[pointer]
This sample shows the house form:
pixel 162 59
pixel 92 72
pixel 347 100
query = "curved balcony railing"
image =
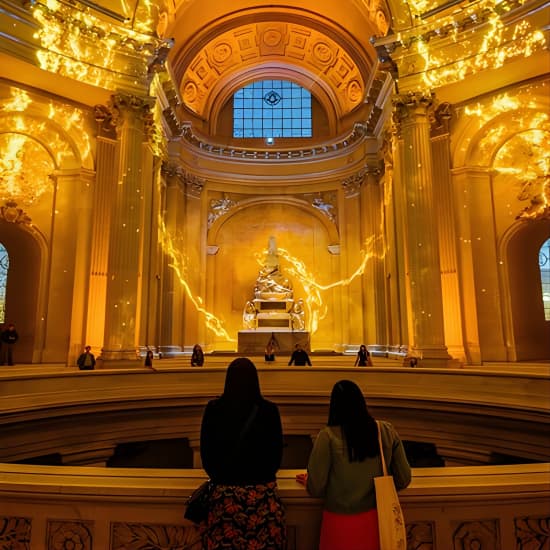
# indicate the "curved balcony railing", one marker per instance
pixel 274 153
pixel 50 508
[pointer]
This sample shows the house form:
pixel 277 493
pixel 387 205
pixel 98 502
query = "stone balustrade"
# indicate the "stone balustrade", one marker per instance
pixel 52 508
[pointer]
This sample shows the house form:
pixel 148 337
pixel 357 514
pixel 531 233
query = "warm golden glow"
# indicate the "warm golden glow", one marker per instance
pixel 179 264
pixel 79 45
pixel 315 306
pixel 25 167
pixel 493 48
pixel 526 159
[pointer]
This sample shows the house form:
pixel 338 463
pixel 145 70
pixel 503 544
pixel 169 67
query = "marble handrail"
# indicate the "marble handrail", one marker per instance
pixel 499 506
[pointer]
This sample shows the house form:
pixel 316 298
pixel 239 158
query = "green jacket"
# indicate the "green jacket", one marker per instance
pixel 348 487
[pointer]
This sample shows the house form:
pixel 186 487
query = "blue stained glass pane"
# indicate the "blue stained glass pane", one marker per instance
pixel 273 104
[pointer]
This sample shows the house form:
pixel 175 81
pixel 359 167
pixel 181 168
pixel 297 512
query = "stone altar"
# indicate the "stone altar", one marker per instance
pixel 272 310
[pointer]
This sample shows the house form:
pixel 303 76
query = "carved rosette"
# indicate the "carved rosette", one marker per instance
pixel 420 535
pixel 471 535
pixel 142 536
pixel 70 534
pixel 11 213
pixel 15 532
pixel 532 532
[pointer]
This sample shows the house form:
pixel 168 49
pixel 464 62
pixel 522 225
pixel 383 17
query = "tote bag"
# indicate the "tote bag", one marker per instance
pixel 391 523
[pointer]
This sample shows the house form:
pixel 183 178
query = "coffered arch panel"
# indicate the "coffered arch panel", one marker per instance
pixel 287 41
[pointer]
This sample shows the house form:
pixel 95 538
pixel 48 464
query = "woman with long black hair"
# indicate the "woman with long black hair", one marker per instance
pixel 241 450
pixel 342 466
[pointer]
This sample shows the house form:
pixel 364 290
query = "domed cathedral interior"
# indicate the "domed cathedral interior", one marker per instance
pixel 315 174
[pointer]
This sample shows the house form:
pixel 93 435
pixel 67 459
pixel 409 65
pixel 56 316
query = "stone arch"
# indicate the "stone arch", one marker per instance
pixel 26 290
pixel 307 209
pixel 527 330
pixel 243 233
pixel 286 39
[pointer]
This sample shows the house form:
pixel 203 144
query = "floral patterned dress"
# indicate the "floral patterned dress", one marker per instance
pixel 247 517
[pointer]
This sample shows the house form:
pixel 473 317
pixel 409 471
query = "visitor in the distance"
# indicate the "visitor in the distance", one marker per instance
pixel 299 357
pixel 241 449
pixel 197 357
pixel 342 466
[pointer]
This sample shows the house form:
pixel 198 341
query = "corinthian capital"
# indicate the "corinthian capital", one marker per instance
pixel 412 104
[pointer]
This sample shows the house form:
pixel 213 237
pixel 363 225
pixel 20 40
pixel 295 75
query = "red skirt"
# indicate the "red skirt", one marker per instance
pixel 349 532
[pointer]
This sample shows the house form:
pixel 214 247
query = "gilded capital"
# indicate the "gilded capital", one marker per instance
pixel 405 106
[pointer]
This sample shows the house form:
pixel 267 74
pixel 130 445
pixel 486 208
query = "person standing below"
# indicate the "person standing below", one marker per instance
pixel 363 357
pixel 149 359
pixel 9 337
pixel 86 360
pixel 342 466
pixel 299 357
pixel 241 447
pixel 197 357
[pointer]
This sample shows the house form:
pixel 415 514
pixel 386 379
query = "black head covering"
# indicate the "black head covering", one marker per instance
pixel 241 382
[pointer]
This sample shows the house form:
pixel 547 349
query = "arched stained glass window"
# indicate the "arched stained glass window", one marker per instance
pixel 4 265
pixel 272 109
pixel 544 264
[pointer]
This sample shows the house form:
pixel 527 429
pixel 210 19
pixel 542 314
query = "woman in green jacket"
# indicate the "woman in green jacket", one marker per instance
pixel 343 464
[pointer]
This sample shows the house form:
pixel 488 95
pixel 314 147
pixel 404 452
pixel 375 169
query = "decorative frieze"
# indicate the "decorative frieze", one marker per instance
pixel 532 532
pixel 15 532
pixel 143 536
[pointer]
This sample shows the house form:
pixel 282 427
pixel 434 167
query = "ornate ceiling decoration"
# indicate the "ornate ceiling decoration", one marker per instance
pixel 317 56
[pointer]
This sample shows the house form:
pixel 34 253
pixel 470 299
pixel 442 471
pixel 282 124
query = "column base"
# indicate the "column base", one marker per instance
pixel 431 357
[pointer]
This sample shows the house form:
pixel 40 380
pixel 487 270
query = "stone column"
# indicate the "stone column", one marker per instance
pixel 126 238
pixel 427 336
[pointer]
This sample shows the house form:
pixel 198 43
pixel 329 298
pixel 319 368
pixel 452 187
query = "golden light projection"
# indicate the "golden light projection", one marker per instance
pixel 25 167
pixel 179 265
pixel 26 164
pixel 526 158
pixel 82 46
pixel 315 306
pixel 493 49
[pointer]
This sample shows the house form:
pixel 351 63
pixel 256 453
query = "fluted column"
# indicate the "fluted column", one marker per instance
pixel 126 239
pixel 422 246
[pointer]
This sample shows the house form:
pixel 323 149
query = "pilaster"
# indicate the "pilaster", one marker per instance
pixel 446 223
pixel 422 246
pixel 373 242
